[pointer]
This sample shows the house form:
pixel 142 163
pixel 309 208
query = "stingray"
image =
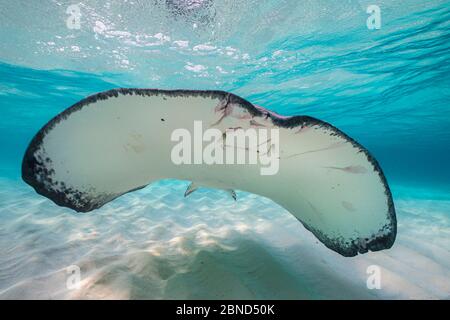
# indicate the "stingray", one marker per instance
pixel 118 141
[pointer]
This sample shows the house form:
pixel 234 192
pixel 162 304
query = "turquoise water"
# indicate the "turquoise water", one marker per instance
pixel 389 89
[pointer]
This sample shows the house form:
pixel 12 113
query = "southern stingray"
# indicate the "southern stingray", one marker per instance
pixel 118 141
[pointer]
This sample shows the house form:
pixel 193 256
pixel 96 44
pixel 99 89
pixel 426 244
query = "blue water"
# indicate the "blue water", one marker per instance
pixel 389 89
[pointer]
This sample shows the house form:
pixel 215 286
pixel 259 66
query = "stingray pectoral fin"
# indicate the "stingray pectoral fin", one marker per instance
pixel 335 188
pixel 118 141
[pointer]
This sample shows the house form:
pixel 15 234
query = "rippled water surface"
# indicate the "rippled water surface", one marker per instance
pixel 389 89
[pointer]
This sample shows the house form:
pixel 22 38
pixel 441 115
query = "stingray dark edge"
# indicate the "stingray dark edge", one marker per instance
pixel 375 243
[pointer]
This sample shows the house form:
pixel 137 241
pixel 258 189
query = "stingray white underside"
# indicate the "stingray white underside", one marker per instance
pixel 120 140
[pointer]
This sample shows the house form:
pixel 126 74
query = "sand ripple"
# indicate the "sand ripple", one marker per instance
pixel 154 244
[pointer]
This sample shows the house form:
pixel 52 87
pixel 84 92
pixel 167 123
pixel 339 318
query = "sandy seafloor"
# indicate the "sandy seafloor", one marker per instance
pixel 155 244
